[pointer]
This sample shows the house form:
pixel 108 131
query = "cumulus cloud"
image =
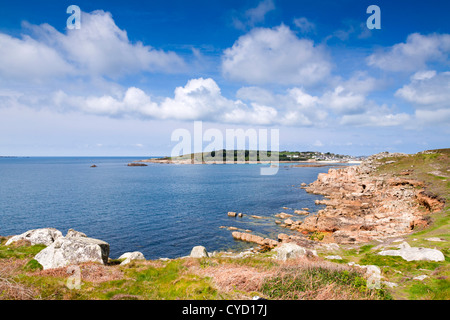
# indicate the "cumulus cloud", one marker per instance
pixel 99 48
pixel 201 99
pixel 275 55
pixel 27 58
pixel 427 89
pixel 414 54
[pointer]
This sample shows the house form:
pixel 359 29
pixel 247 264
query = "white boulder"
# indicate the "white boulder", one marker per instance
pixel 45 236
pixel 199 252
pixel 66 251
pixel 414 253
pixel 127 257
pixel 291 250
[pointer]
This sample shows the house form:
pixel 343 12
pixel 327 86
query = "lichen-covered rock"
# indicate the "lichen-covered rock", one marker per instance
pixel 66 251
pixel 74 233
pixel 45 236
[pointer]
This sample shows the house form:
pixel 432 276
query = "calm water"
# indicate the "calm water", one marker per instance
pixel 161 210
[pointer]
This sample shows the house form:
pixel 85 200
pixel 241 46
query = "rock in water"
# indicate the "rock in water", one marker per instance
pixel 66 251
pixel 45 236
pixel 199 252
pixel 254 238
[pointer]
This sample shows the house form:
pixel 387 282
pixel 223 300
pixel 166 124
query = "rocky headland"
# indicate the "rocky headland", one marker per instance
pixel 363 205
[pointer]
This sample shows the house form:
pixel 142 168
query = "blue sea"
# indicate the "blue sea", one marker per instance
pixel 162 210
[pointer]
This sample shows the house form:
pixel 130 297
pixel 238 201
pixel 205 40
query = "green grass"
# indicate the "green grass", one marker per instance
pixel 22 252
pixel 32 265
pixel 430 289
pixel 168 282
pixel 398 263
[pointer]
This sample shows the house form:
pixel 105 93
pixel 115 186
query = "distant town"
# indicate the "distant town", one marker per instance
pixel 317 156
pixel 254 155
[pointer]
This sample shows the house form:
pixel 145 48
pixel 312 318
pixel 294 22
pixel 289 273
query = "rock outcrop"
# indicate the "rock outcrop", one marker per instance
pixel 73 249
pixel 362 205
pixel 45 236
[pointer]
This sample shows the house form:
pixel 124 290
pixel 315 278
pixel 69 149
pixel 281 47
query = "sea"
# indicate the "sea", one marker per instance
pixel 161 210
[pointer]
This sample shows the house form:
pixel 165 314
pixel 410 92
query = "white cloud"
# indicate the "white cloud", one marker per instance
pixel 427 89
pixel 99 48
pixel 304 25
pixel 253 16
pixel 414 54
pixel 343 101
pixel 201 99
pixel 376 117
pixel 275 56
pixel 28 59
pixel 350 96
pixel 360 30
pixel 433 117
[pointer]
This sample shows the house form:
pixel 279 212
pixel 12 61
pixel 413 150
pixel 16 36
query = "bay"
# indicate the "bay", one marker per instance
pixel 162 210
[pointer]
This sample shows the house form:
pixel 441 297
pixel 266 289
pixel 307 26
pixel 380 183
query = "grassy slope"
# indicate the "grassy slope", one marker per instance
pixel 226 278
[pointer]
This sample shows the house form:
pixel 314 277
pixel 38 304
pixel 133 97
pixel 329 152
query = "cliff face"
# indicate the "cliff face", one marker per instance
pixel 362 205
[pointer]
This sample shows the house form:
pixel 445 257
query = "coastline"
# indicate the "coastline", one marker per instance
pixel 346 238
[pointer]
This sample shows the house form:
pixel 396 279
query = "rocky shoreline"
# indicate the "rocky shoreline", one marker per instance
pixel 362 205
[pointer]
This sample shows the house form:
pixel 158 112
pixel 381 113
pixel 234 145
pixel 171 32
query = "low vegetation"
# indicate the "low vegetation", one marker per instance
pixel 21 277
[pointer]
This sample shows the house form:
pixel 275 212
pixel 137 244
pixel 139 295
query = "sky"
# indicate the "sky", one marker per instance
pixel 136 71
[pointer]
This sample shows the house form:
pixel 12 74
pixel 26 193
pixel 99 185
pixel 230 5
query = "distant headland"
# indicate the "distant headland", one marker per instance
pixel 256 156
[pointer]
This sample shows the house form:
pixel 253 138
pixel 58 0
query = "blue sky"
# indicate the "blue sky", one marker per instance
pixel 135 71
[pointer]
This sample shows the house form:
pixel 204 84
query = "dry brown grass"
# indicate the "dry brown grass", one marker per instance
pixel 9 288
pixel 228 278
pixel 242 281
pixel 90 272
